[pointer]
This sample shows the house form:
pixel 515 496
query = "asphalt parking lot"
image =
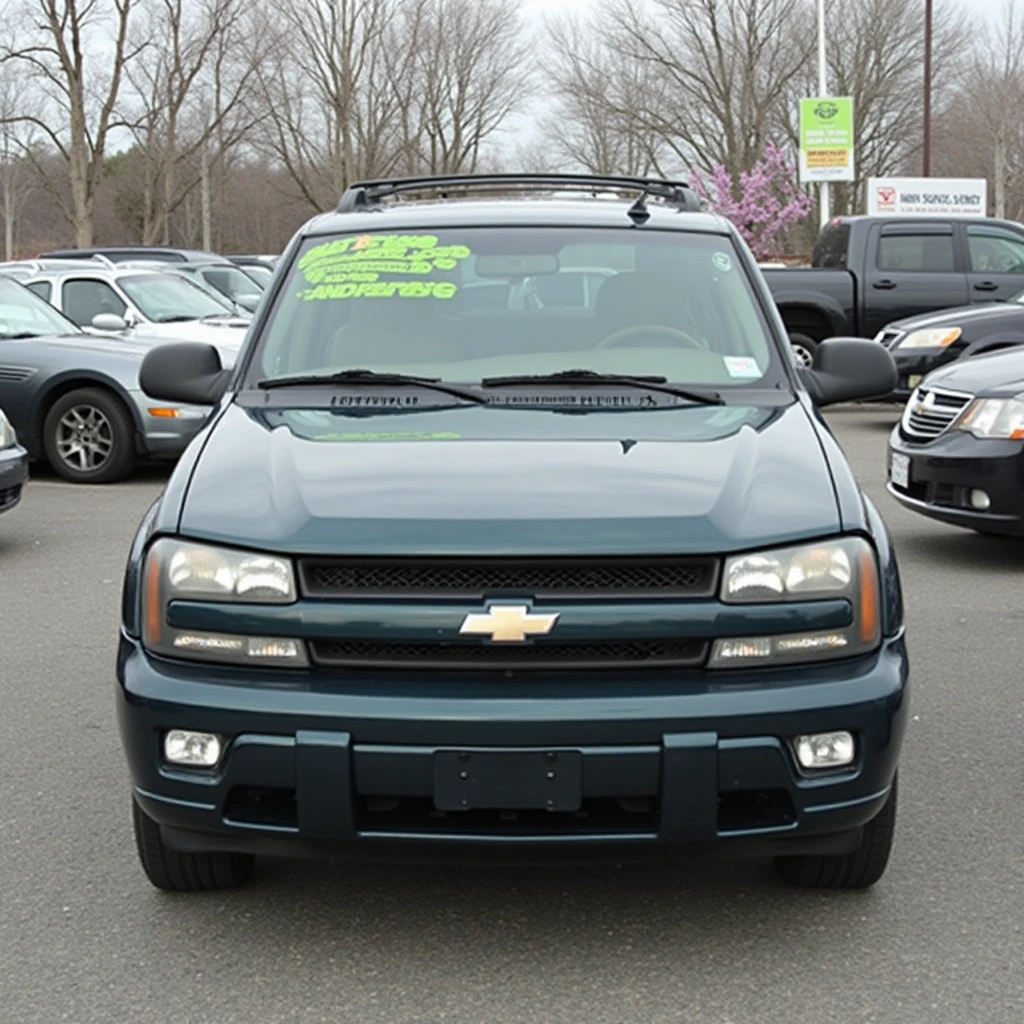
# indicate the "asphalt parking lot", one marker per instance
pixel 84 938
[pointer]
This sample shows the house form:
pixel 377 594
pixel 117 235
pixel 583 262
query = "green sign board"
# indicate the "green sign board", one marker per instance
pixel 826 139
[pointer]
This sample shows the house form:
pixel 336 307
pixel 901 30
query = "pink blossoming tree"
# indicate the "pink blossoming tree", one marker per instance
pixel 761 202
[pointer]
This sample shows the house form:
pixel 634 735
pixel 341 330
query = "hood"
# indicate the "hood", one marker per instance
pixel 485 480
pixel 230 331
pixel 987 314
pixel 114 344
pixel 1000 373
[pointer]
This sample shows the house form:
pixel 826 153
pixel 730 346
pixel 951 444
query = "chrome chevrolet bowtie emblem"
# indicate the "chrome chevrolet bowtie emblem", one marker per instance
pixel 508 623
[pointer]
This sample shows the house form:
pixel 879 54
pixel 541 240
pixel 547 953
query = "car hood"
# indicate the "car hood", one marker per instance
pixel 995 314
pixel 229 332
pixel 129 344
pixel 999 373
pixel 486 480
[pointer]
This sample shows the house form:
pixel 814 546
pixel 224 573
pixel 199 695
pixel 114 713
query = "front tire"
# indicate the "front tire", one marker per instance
pixel 857 870
pixel 804 347
pixel 89 437
pixel 172 871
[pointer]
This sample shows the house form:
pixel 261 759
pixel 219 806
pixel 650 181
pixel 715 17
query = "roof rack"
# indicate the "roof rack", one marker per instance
pixel 363 195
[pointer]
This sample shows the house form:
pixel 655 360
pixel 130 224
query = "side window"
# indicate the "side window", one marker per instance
pixel 916 253
pixel 995 252
pixel 42 288
pixel 85 298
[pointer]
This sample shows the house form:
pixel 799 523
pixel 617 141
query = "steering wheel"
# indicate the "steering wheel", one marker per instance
pixel 658 330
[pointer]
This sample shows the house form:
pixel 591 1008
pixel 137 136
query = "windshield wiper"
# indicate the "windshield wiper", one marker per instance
pixel 21 335
pixel 593 377
pixel 175 318
pixel 375 378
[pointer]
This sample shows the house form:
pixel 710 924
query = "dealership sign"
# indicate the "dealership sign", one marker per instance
pixel 946 197
pixel 826 139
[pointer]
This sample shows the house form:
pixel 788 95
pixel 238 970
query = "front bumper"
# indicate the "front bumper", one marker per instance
pixel 165 436
pixel 912 367
pixel 13 474
pixel 325 763
pixel 943 472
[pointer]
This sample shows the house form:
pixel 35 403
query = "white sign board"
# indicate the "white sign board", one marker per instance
pixel 945 197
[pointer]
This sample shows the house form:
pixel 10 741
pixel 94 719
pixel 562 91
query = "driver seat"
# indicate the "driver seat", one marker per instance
pixel 630 299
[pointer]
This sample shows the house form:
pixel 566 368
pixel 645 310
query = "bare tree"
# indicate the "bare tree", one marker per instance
pixel 592 125
pixel 64 44
pixel 471 71
pixel 17 181
pixel 719 72
pixel 331 112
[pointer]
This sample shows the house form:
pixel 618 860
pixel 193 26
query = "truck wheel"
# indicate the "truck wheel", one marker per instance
pixel 185 872
pixel 89 437
pixel 857 870
pixel 804 346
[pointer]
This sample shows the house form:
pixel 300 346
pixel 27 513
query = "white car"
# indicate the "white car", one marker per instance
pixel 138 302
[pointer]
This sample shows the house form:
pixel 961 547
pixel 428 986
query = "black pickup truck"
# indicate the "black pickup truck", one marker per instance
pixel 868 271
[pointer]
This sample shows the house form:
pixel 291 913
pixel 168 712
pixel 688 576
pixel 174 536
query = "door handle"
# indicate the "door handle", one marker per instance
pixel 884 284
pixel 986 286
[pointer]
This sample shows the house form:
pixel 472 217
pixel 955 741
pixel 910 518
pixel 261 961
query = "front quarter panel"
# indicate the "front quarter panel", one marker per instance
pixel 133 570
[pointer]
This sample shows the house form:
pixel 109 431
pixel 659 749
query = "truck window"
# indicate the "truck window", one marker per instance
pixel 831 247
pixel 994 251
pixel 924 253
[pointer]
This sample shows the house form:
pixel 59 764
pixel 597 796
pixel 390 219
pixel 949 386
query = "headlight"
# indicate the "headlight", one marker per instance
pixel 939 337
pixel 7 435
pixel 994 418
pixel 181 570
pixel 844 569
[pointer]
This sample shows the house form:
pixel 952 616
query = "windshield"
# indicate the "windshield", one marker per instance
pixel 24 313
pixel 161 297
pixel 471 303
pixel 261 275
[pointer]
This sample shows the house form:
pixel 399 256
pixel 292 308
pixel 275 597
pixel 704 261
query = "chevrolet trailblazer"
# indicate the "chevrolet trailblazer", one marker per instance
pixel 458 567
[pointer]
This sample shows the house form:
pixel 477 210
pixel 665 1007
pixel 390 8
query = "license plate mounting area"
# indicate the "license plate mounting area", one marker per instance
pixel 520 780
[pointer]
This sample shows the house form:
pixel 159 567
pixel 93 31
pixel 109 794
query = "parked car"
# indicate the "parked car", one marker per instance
pixel 120 253
pixel 259 268
pixel 133 301
pixel 226 279
pixel 549 581
pixel 924 343
pixel 867 272
pixel 23 270
pixel 13 465
pixel 957 455
pixel 74 397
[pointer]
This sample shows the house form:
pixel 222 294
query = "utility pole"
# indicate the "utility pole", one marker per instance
pixel 926 156
pixel 823 189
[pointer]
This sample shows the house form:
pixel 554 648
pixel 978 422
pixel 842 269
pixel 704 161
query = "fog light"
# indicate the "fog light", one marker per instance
pixel 824 749
pixel 195 749
pixel 980 500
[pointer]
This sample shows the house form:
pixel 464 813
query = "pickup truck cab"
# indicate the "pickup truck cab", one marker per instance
pixel 449 579
pixel 869 271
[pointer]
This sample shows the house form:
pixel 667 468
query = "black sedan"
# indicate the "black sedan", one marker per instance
pixel 13 465
pixel 957 454
pixel 920 344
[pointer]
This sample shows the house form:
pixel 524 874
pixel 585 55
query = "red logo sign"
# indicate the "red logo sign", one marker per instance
pixel 886 197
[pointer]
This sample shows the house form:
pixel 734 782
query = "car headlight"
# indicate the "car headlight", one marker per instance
pixel 184 571
pixel 994 418
pixel 7 434
pixel 844 569
pixel 939 337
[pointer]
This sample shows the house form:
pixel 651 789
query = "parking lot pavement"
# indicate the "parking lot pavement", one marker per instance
pixel 84 938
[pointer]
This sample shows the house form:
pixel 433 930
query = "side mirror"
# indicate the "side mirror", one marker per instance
pixel 109 322
pixel 185 372
pixel 848 369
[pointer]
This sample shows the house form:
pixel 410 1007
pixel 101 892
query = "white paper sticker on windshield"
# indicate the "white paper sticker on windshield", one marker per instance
pixel 722 262
pixel 742 366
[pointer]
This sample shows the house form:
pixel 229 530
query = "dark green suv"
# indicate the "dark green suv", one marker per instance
pixel 466 564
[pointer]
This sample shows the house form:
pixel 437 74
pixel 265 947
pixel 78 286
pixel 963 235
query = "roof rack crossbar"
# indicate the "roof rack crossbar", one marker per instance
pixel 362 195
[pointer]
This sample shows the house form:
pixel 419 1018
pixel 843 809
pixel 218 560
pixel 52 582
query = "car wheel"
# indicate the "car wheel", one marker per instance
pixel 172 871
pixel 89 437
pixel 804 346
pixel 857 870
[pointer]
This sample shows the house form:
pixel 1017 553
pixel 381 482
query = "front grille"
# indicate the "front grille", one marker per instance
pixel 476 578
pixel 528 656
pixel 930 411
